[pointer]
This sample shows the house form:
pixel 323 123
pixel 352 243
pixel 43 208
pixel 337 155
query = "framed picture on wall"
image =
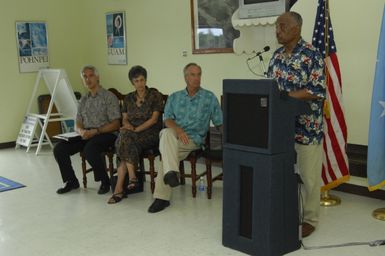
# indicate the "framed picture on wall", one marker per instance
pixel 116 38
pixel 212 31
pixel 32 45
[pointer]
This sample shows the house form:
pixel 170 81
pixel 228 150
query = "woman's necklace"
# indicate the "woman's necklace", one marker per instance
pixel 140 98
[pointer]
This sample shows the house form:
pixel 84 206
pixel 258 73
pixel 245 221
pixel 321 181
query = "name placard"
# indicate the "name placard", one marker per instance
pixel 27 131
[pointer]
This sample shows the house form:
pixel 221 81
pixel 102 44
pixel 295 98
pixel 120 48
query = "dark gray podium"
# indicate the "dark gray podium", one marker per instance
pixel 260 191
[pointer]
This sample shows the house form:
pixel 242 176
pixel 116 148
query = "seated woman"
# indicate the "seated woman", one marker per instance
pixel 140 129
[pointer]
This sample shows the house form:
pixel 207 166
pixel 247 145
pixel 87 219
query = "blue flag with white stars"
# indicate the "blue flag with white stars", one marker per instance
pixel 376 145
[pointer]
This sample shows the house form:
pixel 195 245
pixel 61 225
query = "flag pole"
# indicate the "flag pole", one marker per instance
pixel 379 214
pixel 329 200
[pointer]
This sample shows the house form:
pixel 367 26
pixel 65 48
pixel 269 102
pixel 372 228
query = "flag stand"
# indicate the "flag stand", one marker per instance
pixel 329 200
pixel 379 214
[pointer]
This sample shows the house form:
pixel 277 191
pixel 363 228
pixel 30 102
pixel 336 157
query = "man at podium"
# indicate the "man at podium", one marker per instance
pixel 97 120
pixel 298 68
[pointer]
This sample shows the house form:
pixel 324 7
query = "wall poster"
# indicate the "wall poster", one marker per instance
pixel 32 45
pixel 116 38
pixel 212 30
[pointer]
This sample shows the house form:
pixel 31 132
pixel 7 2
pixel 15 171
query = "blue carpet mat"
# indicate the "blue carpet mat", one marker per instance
pixel 6 184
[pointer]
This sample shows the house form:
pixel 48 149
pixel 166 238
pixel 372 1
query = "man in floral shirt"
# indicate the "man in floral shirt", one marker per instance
pixel 299 70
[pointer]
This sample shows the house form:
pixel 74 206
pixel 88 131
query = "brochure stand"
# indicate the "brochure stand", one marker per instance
pixel 62 96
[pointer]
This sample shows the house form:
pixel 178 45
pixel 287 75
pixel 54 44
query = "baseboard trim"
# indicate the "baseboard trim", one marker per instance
pixel 345 187
pixel 360 190
pixel 357 155
pixel 11 144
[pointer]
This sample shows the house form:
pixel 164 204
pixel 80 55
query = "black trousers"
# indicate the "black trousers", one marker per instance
pixel 92 150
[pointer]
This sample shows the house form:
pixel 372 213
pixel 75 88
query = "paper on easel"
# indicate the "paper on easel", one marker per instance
pixel 68 136
pixel 62 96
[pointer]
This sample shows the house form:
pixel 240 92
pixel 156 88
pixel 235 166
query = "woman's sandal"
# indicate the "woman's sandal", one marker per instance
pixel 116 198
pixel 133 184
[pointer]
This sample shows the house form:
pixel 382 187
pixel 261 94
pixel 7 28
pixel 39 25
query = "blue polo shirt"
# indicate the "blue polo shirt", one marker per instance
pixel 193 113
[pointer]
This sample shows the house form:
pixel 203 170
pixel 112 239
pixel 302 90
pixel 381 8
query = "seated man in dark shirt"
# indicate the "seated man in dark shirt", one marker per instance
pixel 97 121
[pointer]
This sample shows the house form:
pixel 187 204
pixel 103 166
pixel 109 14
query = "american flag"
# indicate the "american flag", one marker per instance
pixel 335 166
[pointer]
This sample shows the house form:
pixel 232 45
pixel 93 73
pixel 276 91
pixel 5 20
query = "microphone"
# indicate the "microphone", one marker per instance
pixel 265 49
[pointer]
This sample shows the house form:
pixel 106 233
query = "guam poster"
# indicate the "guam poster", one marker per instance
pixel 116 38
pixel 32 46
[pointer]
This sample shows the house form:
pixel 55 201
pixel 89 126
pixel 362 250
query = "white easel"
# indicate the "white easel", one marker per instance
pixel 62 96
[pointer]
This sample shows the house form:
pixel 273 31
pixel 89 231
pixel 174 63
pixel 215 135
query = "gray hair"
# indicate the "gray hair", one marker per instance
pixel 297 17
pixel 189 65
pixel 88 67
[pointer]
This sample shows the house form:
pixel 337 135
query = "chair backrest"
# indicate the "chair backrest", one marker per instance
pixel 215 140
pixel 164 100
pixel 121 97
pixel 118 95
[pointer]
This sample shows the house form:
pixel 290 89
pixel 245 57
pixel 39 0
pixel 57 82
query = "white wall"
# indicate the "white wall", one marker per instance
pixel 157 33
pixel 65 46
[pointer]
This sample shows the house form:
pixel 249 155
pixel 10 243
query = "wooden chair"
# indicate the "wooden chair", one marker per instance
pixel 212 156
pixel 110 156
pixel 151 154
pixel 192 158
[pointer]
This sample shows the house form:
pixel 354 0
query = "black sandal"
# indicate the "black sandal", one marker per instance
pixel 116 198
pixel 133 184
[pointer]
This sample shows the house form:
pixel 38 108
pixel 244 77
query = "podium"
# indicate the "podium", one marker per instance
pixel 260 188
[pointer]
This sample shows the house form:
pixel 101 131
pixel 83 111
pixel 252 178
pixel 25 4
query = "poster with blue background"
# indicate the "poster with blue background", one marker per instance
pixel 116 38
pixel 32 46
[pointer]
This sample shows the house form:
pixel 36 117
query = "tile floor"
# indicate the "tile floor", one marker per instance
pixel 35 221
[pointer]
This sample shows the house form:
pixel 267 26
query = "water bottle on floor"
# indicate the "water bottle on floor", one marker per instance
pixel 201 186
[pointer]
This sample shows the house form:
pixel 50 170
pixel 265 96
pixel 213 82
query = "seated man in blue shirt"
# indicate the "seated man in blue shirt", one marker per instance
pixel 187 117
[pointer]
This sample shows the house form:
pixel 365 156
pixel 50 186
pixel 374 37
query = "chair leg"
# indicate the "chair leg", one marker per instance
pixel 142 169
pixel 193 177
pixel 209 178
pixel 110 165
pixel 151 160
pixel 84 170
pixel 181 172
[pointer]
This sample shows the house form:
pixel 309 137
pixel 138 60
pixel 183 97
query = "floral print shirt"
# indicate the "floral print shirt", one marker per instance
pixel 96 111
pixel 302 69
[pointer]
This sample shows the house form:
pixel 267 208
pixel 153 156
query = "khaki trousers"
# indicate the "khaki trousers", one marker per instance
pixel 309 162
pixel 172 151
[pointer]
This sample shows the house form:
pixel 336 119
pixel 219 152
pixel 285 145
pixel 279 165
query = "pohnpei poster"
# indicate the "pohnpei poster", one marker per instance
pixel 32 46
pixel 116 38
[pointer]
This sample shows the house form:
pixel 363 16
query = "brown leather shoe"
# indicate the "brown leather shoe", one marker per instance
pixel 307 229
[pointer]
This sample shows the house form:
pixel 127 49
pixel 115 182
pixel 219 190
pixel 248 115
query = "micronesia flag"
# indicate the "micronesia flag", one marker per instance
pixel 376 145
